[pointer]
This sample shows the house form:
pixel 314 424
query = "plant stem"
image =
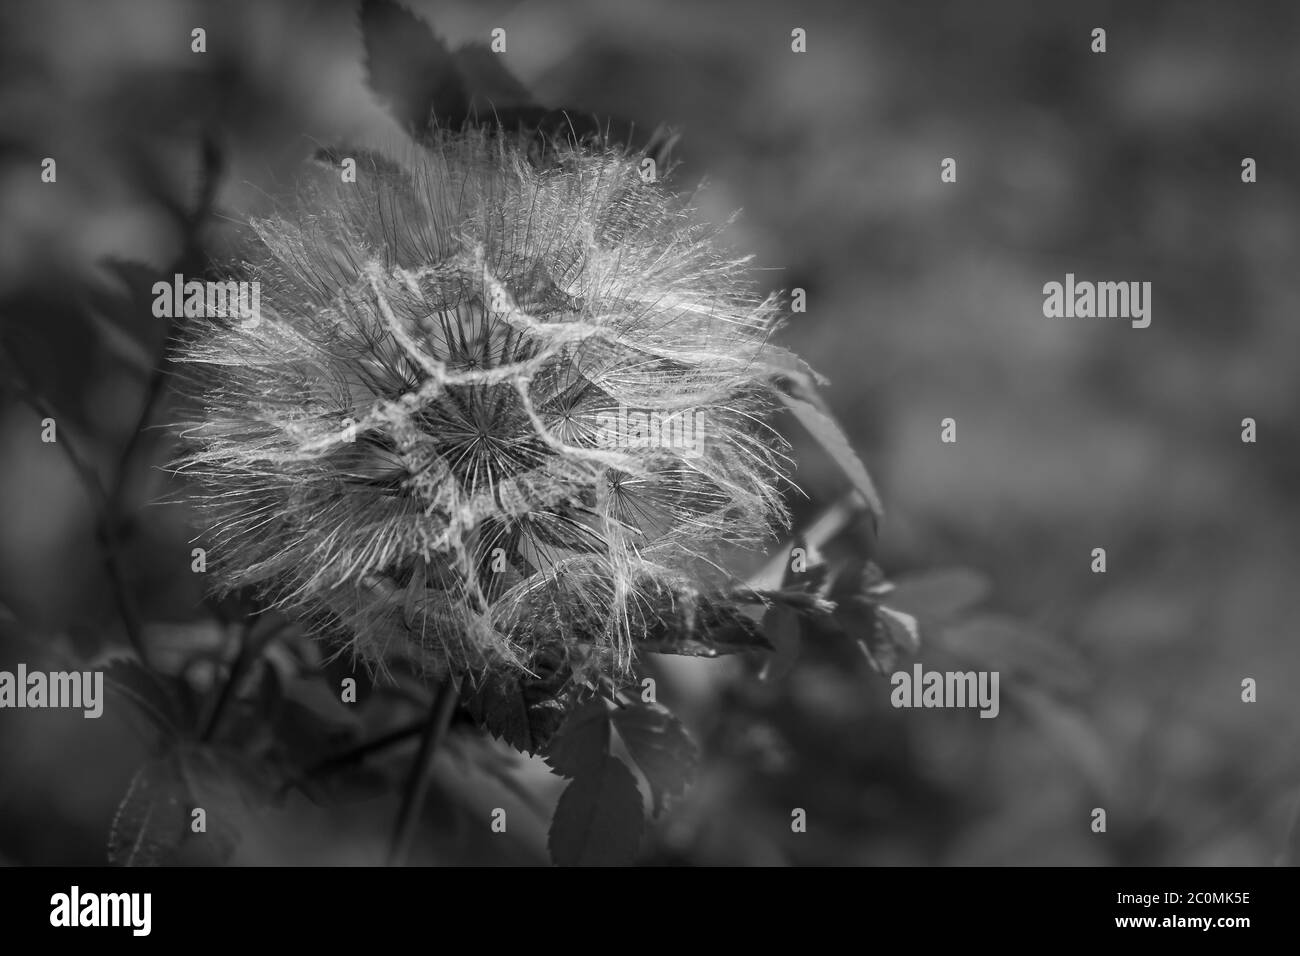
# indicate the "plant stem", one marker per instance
pixel 352 756
pixel 238 668
pixel 105 515
pixel 417 781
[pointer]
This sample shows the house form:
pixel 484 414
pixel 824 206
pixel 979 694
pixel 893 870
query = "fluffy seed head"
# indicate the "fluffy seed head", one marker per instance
pixel 411 450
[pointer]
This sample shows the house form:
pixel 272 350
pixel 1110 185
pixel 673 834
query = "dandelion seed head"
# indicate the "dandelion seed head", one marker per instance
pixel 405 451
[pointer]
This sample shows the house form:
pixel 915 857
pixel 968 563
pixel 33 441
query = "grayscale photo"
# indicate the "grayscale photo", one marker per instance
pixel 650 434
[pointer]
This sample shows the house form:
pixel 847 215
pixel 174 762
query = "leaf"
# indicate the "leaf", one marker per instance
pixel 710 630
pixel 227 789
pixel 153 823
pixel 520 712
pixel 882 633
pixel 582 741
pixel 411 70
pixel 661 748
pixel 830 436
pixel 547 129
pixel 796 376
pixel 800 599
pixel 489 83
pixel 858 619
pixel 153 817
pixel 903 631
pixel 599 819
pixel 783 628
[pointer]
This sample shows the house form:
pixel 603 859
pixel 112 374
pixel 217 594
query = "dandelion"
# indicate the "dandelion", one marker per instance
pixel 405 451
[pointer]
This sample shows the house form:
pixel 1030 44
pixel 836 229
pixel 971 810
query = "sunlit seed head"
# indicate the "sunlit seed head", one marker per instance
pixel 405 451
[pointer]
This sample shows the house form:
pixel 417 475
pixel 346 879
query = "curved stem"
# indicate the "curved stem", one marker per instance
pixel 417 781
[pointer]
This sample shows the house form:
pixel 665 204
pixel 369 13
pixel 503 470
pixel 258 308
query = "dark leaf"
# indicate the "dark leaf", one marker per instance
pixel 854 577
pixel 582 742
pixel 783 628
pixel 831 437
pixel 599 819
pixel 660 746
pixel 548 128
pixel 229 789
pixel 858 619
pixel 798 599
pixel 153 817
pixel 491 86
pixel 710 630
pixel 522 712
pixel 411 70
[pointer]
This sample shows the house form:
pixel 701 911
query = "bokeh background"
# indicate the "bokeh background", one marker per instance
pixel 1119 690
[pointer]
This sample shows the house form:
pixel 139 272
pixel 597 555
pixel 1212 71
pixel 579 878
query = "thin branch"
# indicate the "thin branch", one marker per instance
pixel 353 755
pixel 237 671
pixel 154 392
pixel 105 529
pixel 417 781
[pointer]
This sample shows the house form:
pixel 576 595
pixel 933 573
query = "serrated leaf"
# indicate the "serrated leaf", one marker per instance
pixel 856 577
pixel 410 69
pixel 153 817
pixel 582 741
pixel 662 749
pixel 599 819
pixel 831 437
pixel 523 713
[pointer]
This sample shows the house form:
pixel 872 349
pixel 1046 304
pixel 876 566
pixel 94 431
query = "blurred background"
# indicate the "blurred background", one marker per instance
pixel 1119 690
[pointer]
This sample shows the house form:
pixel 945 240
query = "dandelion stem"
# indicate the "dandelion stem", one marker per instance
pixel 417 781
